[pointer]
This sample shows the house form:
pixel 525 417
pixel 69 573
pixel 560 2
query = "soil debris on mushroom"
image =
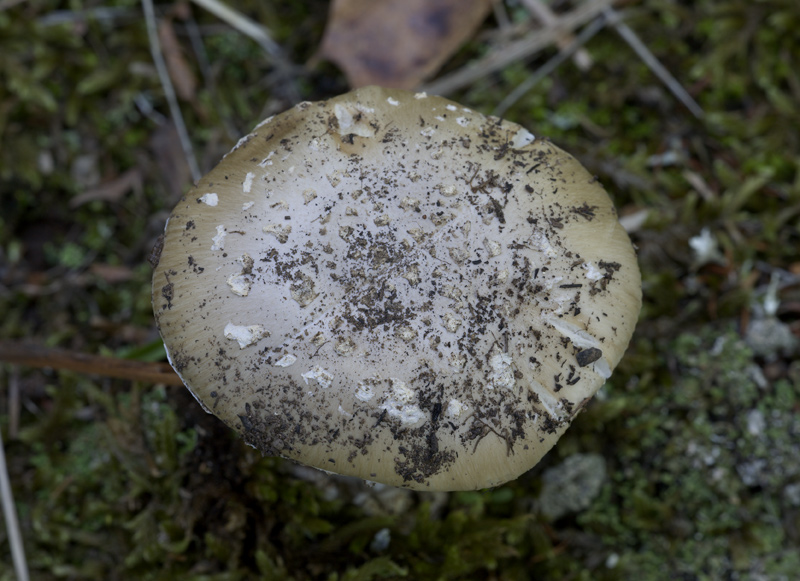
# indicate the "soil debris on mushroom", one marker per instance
pixel 392 286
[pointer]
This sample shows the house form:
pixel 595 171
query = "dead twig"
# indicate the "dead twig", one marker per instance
pixel 519 50
pixel 199 50
pixel 169 90
pixel 548 18
pixel 39 356
pixel 244 25
pixel 12 524
pixel 628 35
pixel 261 36
pixel 501 15
pixel 13 403
pixel 547 68
pixel 6 4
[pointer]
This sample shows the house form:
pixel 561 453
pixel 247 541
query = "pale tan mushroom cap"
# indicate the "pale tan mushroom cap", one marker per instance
pixel 392 286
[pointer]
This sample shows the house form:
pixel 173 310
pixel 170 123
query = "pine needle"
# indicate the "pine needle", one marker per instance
pixel 169 90
pixel 12 524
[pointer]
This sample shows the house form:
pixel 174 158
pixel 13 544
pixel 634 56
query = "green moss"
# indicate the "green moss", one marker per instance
pixel 699 436
pixel 707 469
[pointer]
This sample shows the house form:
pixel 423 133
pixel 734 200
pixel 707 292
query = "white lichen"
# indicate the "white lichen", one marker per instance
pixel 407 334
pixel 457 361
pixel 494 247
pixel 448 191
pixel 320 375
pixel 451 323
pixel 522 138
pixel 365 391
pixel 209 199
pixel 240 284
pixel 344 346
pixel 705 247
pixel 286 360
pixel 309 195
pixel 245 335
pixel 454 409
pixel 592 272
pixel 280 231
pixel 219 239
pixel 264 122
pixel 267 160
pixel 351 119
pixel 540 241
pixel 397 403
pixel 501 374
pixel 248 182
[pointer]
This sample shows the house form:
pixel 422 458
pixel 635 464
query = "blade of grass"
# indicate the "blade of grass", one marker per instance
pixel 169 90
pixel 12 524
pixel 39 356
pixel 522 49
pixel 628 35
pixel 586 34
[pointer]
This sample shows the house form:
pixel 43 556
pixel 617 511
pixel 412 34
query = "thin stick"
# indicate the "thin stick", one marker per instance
pixel 38 356
pixel 501 15
pixel 547 17
pixel 260 35
pixel 12 524
pixel 628 35
pixel 6 4
pixel 169 90
pixel 244 25
pixel 196 40
pixel 520 50
pixel 547 68
pixel 13 402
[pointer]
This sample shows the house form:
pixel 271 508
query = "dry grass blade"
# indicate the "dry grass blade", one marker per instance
pixel 501 15
pixel 244 25
pixel 286 71
pixel 179 70
pixel 551 65
pixel 629 36
pixel 39 356
pixel 12 524
pixel 548 18
pixel 112 190
pixel 169 90
pixel 6 4
pixel 520 50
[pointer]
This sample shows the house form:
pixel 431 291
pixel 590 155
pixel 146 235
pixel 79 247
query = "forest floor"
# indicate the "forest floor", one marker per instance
pixel 696 436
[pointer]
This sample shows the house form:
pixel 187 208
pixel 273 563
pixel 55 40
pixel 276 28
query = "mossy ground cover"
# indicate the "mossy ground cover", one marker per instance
pixel 699 427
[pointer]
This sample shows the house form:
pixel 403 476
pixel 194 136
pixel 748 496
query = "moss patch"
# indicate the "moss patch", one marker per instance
pixel 698 434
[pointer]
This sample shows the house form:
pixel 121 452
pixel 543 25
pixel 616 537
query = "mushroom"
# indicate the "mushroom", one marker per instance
pixel 392 286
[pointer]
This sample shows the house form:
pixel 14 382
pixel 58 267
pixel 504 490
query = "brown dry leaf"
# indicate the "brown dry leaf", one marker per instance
pixel 179 71
pixel 166 151
pixel 397 43
pixel 112 190
pixel 112 273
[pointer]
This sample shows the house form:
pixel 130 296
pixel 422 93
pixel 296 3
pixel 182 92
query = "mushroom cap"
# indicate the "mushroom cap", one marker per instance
pixel 392 286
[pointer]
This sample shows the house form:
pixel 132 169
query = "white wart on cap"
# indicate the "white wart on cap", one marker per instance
pixel 391 286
